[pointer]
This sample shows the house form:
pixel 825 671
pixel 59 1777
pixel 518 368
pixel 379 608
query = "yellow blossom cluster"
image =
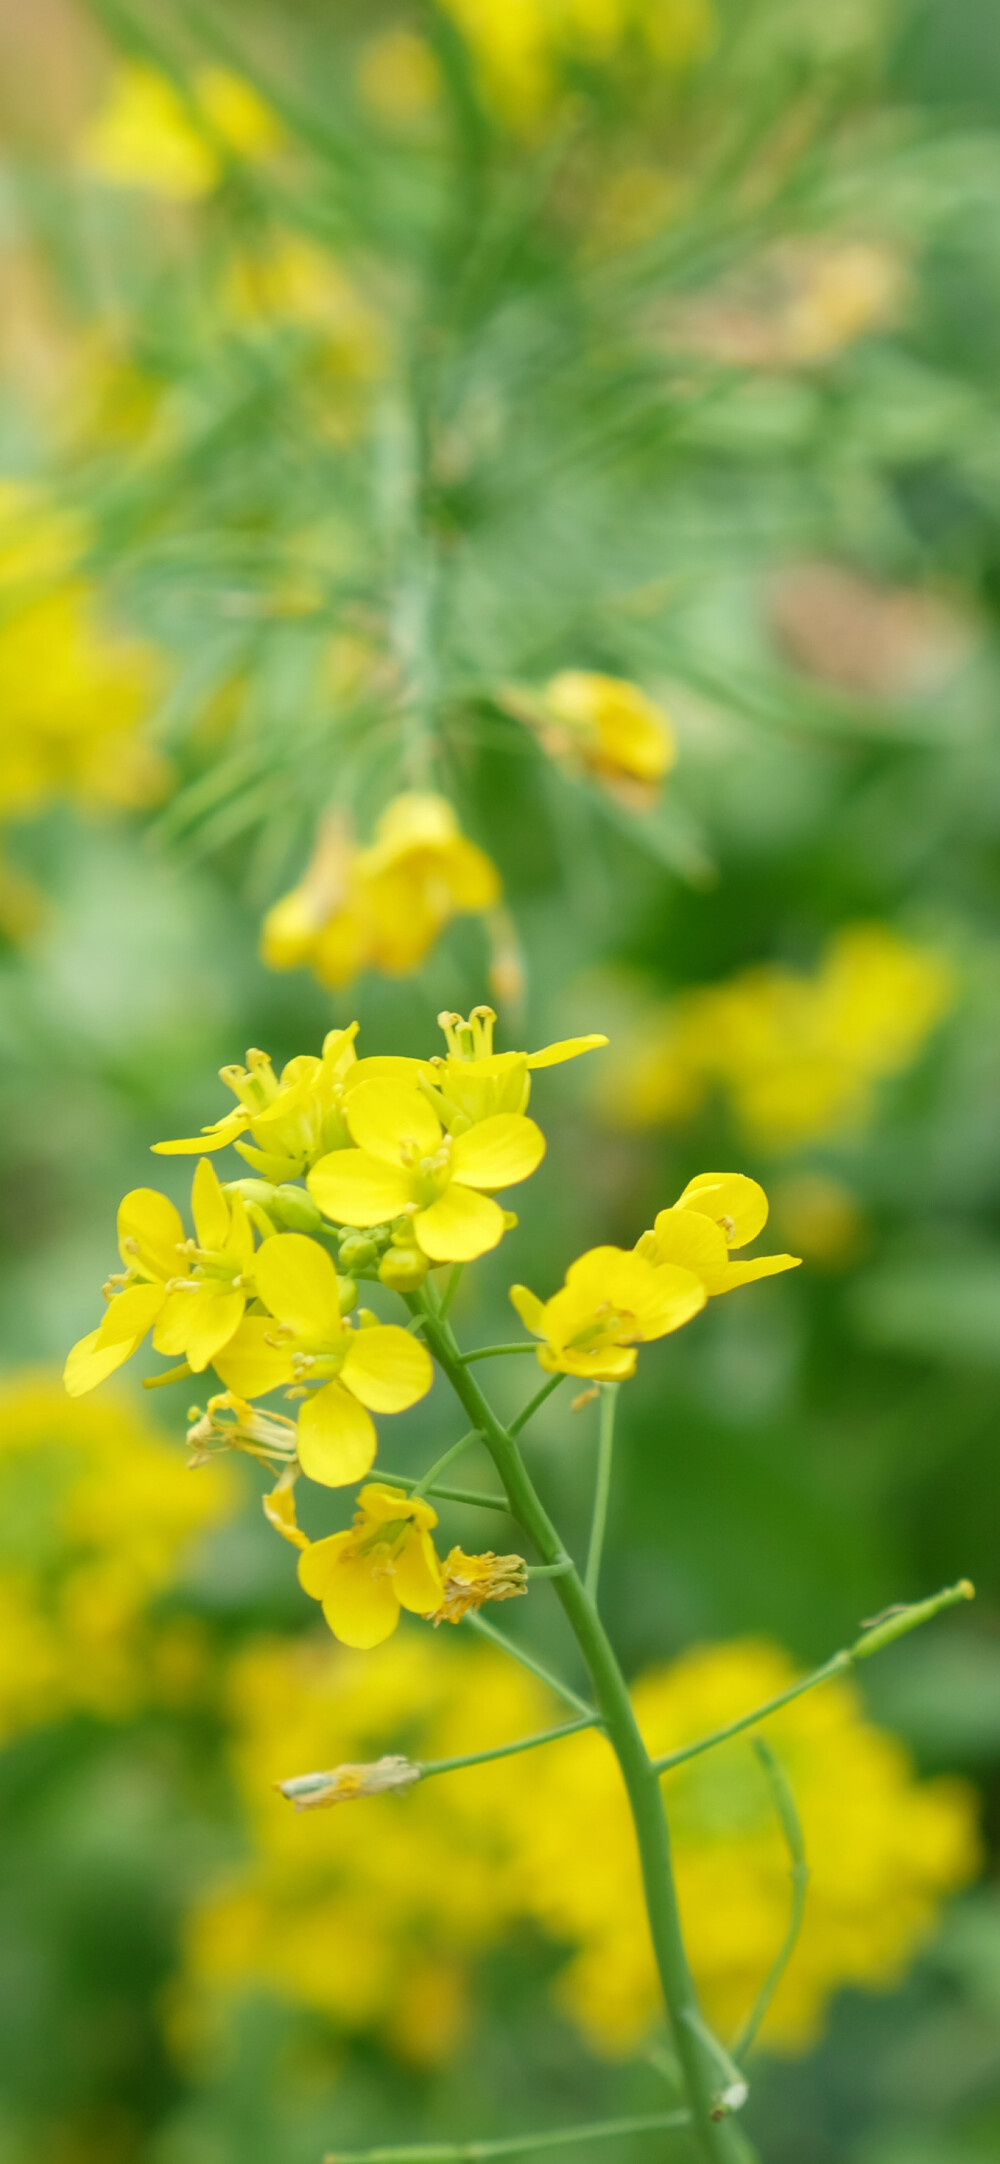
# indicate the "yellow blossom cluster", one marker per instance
pixel 175 141
pixel 375 1915
pixel 527 50
pixel 384 906
pixel 797 1058
pixel 96 1513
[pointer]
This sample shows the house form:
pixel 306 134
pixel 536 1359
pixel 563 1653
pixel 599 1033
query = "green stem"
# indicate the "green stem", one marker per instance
pixel 784 1804
pixel 602 1489
pixel 427 1479
pixel 505 1750
pixel 469 2152
pixel 718 2139
pixel 535 1668
pixel 884 1632
pixel 493 1352
pixel 449 1495
pixel 454 1281
pixel 533 1404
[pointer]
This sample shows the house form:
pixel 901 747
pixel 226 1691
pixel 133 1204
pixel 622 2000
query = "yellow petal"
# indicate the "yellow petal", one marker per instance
pixel 296 1279
pixel 239 1239
pixel 744 1273
pixel 318 1562
pixel 530 1308
pixel 553 1055
pixel 130 1314
pixel 215 1137
pixel 89 1362
pixel 471 876
pixel 736 1203
pixel 198 1324
pixel 418 1580
pixel 149 1233
pixel 385 1067
pixel 279 1510
pixel 459 1226
pixel 248 1363
pixel 382 1503
pixel 387 1368
pixel 361 1608
pixel 498 1151
pixel 354 1188
pixel 612 1365
pixel 675 1299
pixel 694 1241
pixel 209 1207
pixel 385 1116
pixel 336 1437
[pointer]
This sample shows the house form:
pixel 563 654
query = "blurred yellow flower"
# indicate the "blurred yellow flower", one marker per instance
pixel 399 76
pixel 96 1512
pixel 381 1367
pixel 406 1164
pixel 382 907
pixel 522 48
pixel 822 1216
pixel 600 725
pixel 73 693
pixel 717 1211
pixel 190 1293
pixel 611 1302
pixel 386 1562
pixel 149 135
pixel 797 1057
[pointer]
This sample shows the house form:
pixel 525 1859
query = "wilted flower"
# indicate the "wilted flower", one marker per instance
pixel 469 1580
pixel 345 1784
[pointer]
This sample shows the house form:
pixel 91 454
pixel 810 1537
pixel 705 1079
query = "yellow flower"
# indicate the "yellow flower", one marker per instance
pixel 382 907
pixel 386 1562
pixel 716 1212
pixel 611 1302
pixel 405 1164
pixel 610 726
pixel 379 1366
pixel 525 49
pixel 147 136
pixel 474 1083
pixel 469 1580
pixel 190 1293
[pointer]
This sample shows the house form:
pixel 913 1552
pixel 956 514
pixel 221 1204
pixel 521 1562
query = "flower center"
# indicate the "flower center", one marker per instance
pixel 606 1326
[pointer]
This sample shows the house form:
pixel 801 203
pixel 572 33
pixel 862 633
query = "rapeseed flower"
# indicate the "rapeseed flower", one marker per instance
pixel 149 135
pixel 309 1344
pixel 190 1293
pixel 472 1082
pixel 607 726
pixel 383 907
pixel 717 1212
pixel 405 1163
pixel 387 1561
pixel 525 49
pixel 611 1302
pixel 292 1119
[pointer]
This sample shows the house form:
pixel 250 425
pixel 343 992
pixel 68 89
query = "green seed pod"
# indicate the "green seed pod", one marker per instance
pixel 403 1269
pixel 294 1208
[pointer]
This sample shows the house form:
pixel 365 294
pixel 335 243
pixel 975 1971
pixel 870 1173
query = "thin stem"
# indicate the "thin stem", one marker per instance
pixel 493 1352
pixel 602 1489
pixel 451 1288
pixel 535 1667
pixel 427 1479
pixel 506 1750
pixel 791 1826
pixel 719 2140
pixel 533 1404
pixel 469 2152
pixel 551 1570
pixel 884 1631
pixel 469 1496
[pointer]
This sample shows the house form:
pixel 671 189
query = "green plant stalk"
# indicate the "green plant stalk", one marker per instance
pixel 467 2152
pixel 504 1750
pixel 602 1486
pixel 719 2140
pixel 784 1804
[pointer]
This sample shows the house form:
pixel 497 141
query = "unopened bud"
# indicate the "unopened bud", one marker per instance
pixel 294 1208
pixel 345 1784
pixel 358 1251
pixel 262 1191
pixel 347 1293
pixel 403 1269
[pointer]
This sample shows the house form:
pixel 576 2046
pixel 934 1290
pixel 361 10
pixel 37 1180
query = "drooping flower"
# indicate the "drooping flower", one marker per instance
pixel 147 135
pixel 473 1083
pixel 405 1164
pixel 293 1119
pixel 377 1368
pixel 469 1580
pixel 382 907
pixel 387 1561
pixel 190 1293
pixel 717 1211
pixel 611 1302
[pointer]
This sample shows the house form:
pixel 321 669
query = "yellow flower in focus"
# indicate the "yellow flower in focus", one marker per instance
pixel 146 134
pixel 387 1561
pixel 308 1343
pixel 473 1083
pixel 717 1211
pixel 96 1512
pixel 470 1580
pixel 405 1164
pixel 883 1849
pixel 611 1302
pixel 190 1293
pixel 294 1118
pixel 382 907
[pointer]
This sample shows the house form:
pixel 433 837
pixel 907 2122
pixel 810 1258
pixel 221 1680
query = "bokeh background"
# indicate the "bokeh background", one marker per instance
pixel 362 368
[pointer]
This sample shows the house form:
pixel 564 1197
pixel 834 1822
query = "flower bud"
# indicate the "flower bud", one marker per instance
pixel 295 1209
pixel 347 1293
pixel 344 1784
pixel 262 1191
pixel 358 1251
pixel 403 1269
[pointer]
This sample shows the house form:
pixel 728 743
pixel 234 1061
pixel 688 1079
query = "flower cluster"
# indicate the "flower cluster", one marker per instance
pixel 798 1058
pixel 527 51
pixel 150 135
pixel 378 1924
pixel 381 907
pixel 95 1516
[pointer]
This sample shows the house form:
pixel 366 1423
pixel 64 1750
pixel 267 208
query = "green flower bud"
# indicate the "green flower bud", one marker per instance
pixel 403 1269
pixel 294 1208
pixel 347 1293
pixel 262 1191
pixel 358 1251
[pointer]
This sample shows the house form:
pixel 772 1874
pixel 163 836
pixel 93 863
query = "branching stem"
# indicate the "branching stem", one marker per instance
pixel 506 1750
pixel 470 2152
